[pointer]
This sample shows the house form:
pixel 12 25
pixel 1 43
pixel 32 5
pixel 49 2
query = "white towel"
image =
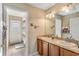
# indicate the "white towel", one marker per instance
pixel 21 45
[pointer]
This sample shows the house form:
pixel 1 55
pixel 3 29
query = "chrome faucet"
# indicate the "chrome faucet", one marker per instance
pixel 71 37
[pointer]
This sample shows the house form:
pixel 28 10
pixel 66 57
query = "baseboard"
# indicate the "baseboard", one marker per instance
pixel 34 54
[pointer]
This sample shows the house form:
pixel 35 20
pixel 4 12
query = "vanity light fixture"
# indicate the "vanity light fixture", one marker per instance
pixel 50 15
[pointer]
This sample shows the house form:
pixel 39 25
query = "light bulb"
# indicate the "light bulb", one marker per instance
pixel 53 15
pixel 47 16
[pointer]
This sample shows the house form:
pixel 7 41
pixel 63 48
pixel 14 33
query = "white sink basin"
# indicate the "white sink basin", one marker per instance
pixel 64 43
pixel 69 44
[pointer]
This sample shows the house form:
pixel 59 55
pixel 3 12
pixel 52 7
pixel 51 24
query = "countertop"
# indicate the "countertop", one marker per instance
pixel 61 43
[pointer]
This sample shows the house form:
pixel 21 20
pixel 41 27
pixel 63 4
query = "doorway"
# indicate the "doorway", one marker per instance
pixel 16 38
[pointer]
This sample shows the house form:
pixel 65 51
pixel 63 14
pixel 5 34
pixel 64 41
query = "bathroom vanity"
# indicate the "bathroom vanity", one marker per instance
pixel 64 25
pixel 46 46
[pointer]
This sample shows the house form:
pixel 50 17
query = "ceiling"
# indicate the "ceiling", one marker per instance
pixel 43 6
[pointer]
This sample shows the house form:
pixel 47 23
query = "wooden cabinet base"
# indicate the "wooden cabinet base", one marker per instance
pixel 65 52
pixel 42 47
pixel 39 46
pixel 48 49
pixel 45 48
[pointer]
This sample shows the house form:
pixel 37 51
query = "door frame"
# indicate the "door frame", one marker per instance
pixel 5 22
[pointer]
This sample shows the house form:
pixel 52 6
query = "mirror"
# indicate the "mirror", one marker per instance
pixel 69 22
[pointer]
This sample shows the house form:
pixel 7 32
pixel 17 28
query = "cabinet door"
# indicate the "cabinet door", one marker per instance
pixel 61 52
pixel 39 46
pixel 65 52
pixel 53 50
pixel 45 48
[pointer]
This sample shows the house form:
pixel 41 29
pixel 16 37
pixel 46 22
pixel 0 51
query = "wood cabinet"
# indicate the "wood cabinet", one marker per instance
pixel 42 47
pixel 53 50
pixel 45 48
pixel 64 52
pixel 39 46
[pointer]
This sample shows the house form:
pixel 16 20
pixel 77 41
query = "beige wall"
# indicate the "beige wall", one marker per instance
pixel 37 18
pixel 49 26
